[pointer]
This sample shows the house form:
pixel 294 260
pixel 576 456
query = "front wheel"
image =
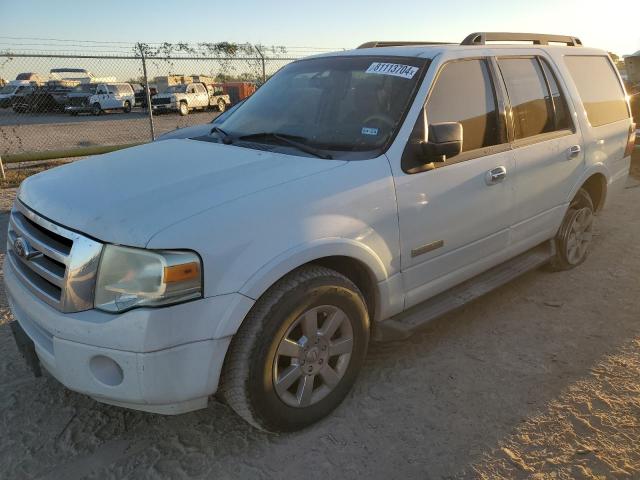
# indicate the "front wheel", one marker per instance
pixel 299 351
pixel 575 235
pixel 184 109
pixel 222 106
pixel 96 109
pixel 127 106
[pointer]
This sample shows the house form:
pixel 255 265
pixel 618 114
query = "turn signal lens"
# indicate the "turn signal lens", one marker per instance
pixel 181 273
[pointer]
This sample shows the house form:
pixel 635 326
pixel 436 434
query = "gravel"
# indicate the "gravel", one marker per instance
pixel 539 379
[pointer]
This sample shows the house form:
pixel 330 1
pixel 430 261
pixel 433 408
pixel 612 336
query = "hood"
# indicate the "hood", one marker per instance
pixel 167 95
pixel 127 196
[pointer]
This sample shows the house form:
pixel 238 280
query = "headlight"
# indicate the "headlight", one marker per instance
pixel 133 277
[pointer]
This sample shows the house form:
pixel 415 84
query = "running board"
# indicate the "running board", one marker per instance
pixel 406 323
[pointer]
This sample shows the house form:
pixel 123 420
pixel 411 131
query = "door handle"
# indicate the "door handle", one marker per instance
pixel 495 175
pixel 574 151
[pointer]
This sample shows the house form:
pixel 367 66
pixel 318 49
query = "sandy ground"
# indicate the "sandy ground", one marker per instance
pixel 540 379
pixel 38 132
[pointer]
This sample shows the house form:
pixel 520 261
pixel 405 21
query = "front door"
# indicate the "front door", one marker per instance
pixel 455 216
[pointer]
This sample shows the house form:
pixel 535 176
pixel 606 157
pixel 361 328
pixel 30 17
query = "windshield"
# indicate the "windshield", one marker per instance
pixel 84 88
pixel 8 89
pixel 333 103
pixel 176 89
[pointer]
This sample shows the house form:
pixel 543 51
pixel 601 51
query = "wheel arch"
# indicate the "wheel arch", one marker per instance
pixel 595 181
pixel 596 187
pixel 352 259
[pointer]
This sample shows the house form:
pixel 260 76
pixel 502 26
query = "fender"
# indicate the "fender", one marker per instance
pixel 293 258
pixel 284 263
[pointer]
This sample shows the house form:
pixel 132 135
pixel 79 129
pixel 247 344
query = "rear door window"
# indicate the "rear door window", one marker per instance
pixel 464 93
pixel 536 102
pixel 599 88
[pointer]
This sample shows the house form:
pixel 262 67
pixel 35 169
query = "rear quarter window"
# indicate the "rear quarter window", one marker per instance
pixel 599 88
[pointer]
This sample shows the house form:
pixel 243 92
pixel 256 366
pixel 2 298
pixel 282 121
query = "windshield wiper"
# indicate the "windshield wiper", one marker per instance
pixel 289 140
pixel 226 138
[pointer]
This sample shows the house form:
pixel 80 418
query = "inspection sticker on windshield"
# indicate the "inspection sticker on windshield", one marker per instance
pixel 395 69
pixel 369 131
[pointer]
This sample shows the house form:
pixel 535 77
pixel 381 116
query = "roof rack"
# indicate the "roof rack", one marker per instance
pixel 400 43
pixel 481 38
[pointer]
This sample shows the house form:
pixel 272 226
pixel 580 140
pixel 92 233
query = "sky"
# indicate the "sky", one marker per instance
pixel 610 24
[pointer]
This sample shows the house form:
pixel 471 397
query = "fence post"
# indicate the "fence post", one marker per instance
pixel 147 93
pixel 264 71
pixel 2 169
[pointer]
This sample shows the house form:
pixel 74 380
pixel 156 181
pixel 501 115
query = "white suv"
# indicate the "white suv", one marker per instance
pixel 355 195
pixel 99 97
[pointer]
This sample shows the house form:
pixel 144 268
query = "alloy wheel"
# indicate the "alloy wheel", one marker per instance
pixel 580 236
pixel 313 356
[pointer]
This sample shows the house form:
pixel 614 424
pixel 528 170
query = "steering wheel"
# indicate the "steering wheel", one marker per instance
pixel 386 119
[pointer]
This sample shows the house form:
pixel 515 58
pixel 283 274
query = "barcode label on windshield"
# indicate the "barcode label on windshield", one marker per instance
pixel 395 69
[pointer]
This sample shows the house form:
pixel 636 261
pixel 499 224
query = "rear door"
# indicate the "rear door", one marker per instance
pixel 454 221
pixel 548 146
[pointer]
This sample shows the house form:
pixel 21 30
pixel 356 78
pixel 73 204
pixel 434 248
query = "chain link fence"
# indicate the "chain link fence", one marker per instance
pixel 56 105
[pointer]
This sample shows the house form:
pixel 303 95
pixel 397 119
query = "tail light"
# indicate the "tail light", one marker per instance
pixel 631 141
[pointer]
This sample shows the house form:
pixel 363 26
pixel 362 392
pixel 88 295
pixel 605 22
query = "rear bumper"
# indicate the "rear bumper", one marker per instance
pixel 137 364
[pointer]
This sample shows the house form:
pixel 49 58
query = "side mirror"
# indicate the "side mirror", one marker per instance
pixel 444 141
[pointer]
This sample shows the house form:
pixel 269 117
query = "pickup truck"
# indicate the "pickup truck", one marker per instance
pixel 355 196
pixel 190 96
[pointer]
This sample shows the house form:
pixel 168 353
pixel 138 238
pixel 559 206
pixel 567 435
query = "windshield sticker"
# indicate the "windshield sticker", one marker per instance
pixel 369 131
pixel 395 69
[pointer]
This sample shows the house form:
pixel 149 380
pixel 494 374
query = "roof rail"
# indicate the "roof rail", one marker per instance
pixel 481 38
pixel 377 44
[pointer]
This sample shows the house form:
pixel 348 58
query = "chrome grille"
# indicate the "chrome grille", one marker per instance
pixel 58 265
pixel 160 101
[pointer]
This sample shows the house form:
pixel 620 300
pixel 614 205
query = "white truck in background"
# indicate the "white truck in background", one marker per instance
pixel 185 97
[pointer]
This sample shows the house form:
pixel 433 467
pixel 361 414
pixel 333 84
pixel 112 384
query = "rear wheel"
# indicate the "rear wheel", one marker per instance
pixel 96 109
pixel 222 106
pixel 298 352
pixel 183 109
pixel 575 235
pixel 127 106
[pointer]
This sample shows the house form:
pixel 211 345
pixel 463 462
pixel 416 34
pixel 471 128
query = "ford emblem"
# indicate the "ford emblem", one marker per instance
pixel 23 249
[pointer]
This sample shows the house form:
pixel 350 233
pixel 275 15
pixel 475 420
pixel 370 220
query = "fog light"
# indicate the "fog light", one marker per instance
pixel 106 371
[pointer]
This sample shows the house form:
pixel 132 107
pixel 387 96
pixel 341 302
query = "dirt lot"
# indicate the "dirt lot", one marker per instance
pixel 540 379
pixel 37 132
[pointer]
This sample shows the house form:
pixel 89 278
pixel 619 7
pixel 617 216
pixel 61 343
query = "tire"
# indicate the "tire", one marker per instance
pixel 268 384
pixel 222 106
pixel 574 238
pixel 183 109
pixel 96 109
pixel 127 106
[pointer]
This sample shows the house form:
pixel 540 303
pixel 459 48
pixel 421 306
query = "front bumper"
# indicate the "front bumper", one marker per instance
pixel 165 107
pixel 164 360
pixel 77 108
